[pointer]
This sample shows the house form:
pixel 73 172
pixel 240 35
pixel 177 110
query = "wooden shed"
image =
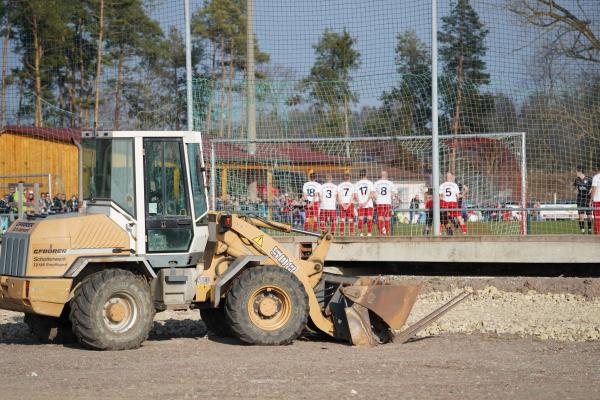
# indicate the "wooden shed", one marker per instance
pixel 48 156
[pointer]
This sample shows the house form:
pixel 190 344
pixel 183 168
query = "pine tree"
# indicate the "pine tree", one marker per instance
pixel 222 23
pixel 6 32
pixel 408 106
pixel 130 34
pixel 462 52
pixel 328 84
pixel 40 27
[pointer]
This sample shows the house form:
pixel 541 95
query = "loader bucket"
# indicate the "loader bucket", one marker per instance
pixel 377 310
pixel 368 311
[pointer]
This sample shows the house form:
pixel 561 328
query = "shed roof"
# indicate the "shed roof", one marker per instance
pixel 267 153
pixel 56 134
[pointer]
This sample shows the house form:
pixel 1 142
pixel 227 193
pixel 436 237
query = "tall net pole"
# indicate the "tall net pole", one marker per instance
pixel 251 84
pixel 188 66
pixel 435 145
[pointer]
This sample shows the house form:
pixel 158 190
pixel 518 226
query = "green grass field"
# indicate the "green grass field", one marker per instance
pixel 511 228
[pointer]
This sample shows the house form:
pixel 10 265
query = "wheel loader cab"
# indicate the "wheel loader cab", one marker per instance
pixel 152 185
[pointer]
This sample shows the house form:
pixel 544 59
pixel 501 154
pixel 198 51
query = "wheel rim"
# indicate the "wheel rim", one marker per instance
pixel 120 312
pixel 269 307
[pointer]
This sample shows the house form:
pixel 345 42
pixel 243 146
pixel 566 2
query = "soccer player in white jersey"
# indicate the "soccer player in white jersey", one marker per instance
pixel 328 197
pixel 346 197
pixel 595 201
pixel 449 195
pixel 310 195
pixel 383 198
pixel 364 196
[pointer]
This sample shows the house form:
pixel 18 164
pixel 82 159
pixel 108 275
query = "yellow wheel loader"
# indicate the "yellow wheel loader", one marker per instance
pixel 145 242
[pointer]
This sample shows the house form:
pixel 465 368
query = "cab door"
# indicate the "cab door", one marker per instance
pixel 169 224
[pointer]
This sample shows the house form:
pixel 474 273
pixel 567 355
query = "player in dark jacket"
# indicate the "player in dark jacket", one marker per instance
pixel 583 185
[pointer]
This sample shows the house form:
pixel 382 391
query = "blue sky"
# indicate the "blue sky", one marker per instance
pixel 287 30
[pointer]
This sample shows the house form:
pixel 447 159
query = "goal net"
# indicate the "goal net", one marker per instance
pixel 489 169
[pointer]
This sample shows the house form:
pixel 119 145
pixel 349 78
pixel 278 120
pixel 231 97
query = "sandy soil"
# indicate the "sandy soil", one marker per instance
pixel 539 340
pixel 442 367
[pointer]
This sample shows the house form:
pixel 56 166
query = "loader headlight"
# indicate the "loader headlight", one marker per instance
pixel 224 222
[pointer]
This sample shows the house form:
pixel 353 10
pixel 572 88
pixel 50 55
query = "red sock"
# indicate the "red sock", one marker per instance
pixel 333 225
pixel 322 223
pixel 463 228
pixel 351 223
pixel 342 227
pixel 306 224
pixel 380 226
pixel 360 225
pixel 596 225
pixel 388 227
pixel 370 226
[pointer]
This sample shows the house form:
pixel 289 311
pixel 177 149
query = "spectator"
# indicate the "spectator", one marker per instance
pixel 301 212
pixel 429 213
pixel 58 205
pixel 537 216
pixel 73 204
pixel 42 203
pixel 415 204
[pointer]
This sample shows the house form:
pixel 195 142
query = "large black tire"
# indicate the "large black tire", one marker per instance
pixel 50 329
pixel 267 306
pixel 112 310
pixel 216 322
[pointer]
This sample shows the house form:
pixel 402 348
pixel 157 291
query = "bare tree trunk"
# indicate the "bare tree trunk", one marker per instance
pixel 346 125
pixel 82 104
pixel 99 63
pixel 229 94
pixel 176 85
pixel 71 92
pixel 222 93
pixel 37 58
pixel 4 72
pixel 119 89
pixel 61 101
pixel 20 102
pixel 457 112
pixel 72 103
pixel 210 88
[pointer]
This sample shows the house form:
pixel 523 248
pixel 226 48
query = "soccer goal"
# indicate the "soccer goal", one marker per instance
pixel 267 177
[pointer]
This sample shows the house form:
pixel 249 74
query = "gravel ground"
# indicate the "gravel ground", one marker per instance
pixel 560 309
pixel 507 340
